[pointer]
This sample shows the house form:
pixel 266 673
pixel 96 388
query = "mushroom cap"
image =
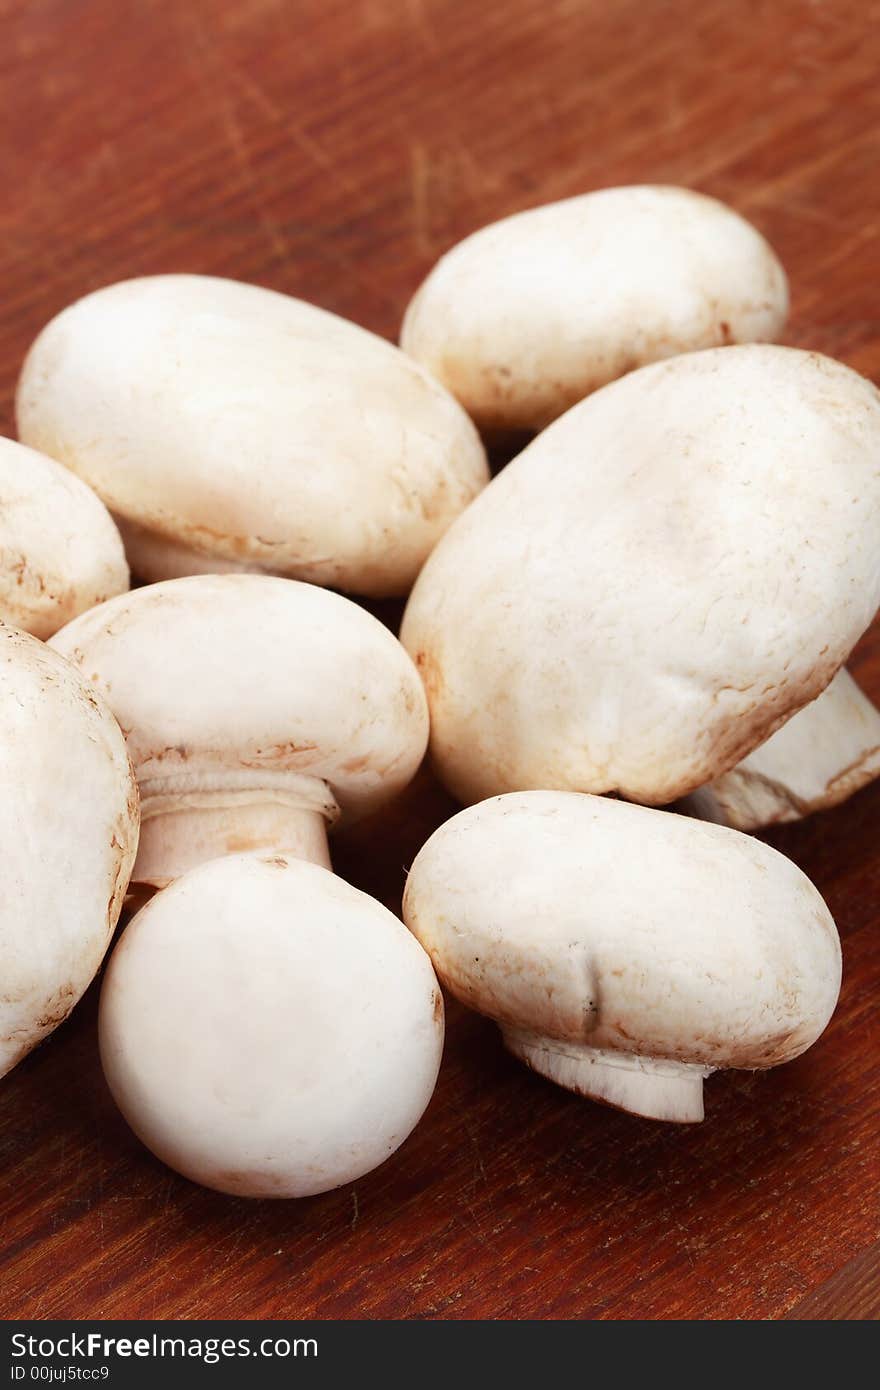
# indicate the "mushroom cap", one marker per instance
pixel 530 314
pixel 68 837
pixel 658 581
pixel 268 1030
pixel 247 672
pixel 253 427
pixel 591 921
pixel 60 552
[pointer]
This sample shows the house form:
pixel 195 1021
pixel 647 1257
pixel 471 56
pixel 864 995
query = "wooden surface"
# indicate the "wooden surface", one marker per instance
pixel 333 149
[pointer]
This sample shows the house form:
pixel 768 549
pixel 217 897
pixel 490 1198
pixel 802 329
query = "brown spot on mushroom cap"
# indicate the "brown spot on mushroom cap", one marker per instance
pixel 430 668
pixel 58 1008
pixel 357 764
pixel 123 838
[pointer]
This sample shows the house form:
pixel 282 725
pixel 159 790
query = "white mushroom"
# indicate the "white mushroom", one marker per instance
pixel 529 315
pixel 68 835
pixel 822 755
pixel 625 952
pixel 658 582
pixel 256 709
pixel 229 426
pixel 265 1028
pixel 60 552
pixel 268 1030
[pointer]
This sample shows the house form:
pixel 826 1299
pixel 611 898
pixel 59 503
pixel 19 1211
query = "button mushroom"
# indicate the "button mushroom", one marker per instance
pixel 256 710
pixel 60 552
pixel 68 835
pixel 658 582
pixel 228 426
pixel 822 755
pixel 269 1031
pixel 625 952
pixel 529 315
pixel 300 1028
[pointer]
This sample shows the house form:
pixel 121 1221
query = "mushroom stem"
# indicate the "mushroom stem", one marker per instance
pixel 653 1087
pixel 822 755
pixel 189 818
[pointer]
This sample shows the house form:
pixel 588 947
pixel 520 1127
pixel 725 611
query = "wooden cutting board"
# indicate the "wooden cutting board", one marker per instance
pixel 332 149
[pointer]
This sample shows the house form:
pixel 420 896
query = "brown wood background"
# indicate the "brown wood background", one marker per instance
pixel 332 149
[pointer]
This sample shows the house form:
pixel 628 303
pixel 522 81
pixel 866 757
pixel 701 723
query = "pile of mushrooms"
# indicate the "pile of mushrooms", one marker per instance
pixel 624 651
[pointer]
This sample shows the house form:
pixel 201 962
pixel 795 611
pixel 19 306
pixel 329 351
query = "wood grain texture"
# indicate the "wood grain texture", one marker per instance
pixel 332 149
